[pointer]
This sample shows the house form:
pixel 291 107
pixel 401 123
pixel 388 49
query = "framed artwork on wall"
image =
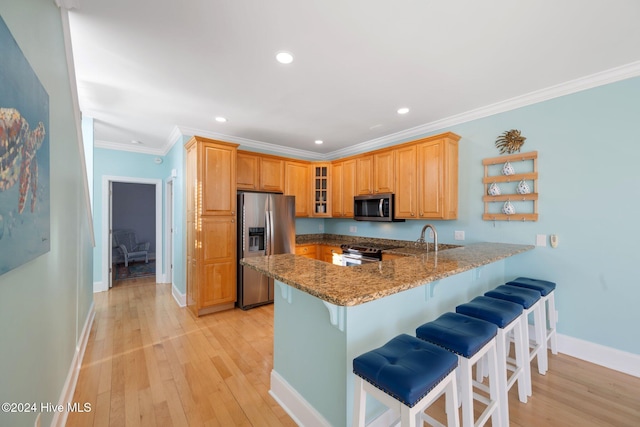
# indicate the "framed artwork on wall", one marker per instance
pixel 25 226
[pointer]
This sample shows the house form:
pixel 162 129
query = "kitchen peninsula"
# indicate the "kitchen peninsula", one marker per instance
pixel 325 315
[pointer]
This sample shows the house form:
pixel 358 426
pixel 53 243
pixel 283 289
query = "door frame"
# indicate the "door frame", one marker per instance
pixel 106 221
pixel 169 231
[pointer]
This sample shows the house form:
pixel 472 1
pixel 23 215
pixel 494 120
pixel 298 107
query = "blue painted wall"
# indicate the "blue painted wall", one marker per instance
pixel 120 164
pixel 587 159
pixel 44 303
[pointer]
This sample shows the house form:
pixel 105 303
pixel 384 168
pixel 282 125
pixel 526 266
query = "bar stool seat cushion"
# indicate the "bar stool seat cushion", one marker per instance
pixel 405 368
pixel 543 286
pixel 463 335
pixel 523 296
pixel 497 311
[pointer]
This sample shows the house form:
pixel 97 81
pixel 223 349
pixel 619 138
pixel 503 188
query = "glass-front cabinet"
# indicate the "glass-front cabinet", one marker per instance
pixel 321 190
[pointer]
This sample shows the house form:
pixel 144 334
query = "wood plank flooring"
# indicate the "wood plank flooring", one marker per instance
pixel 150 363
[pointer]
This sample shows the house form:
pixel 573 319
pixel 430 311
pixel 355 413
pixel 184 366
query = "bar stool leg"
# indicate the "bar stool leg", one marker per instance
pixel 501 359
pixel 541 337
pixel 359 402
pixel 522 360
pixel 553 319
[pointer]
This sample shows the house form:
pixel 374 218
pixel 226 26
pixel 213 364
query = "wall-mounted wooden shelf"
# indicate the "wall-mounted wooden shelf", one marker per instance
pixel 520 161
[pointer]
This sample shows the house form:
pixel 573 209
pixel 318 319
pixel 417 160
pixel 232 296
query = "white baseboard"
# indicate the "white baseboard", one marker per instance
pixel 608 357
pixel 66 396
pixel 294 404
pixel 180 298
pixel 99 287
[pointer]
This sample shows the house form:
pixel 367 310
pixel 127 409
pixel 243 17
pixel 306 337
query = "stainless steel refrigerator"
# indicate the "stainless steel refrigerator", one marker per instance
pixel 266 226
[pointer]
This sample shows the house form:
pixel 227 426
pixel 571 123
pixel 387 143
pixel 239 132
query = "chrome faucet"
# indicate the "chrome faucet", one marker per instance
pixel 435 236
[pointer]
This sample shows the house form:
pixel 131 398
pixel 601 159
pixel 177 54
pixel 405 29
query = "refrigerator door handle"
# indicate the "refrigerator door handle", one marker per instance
pixel 267 230
pixel 272 234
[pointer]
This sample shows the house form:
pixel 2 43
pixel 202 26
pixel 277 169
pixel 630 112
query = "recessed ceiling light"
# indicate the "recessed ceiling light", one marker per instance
pixel 403 110
pixel 284 57
pixel 221 119
pixel 135 141
pixel 319 141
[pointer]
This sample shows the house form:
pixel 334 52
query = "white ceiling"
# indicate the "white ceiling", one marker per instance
pixel 148 69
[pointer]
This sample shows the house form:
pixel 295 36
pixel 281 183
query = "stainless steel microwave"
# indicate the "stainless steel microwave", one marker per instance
pixel 376 207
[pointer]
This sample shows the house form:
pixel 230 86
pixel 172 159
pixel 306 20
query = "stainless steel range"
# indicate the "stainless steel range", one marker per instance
pixel 359 253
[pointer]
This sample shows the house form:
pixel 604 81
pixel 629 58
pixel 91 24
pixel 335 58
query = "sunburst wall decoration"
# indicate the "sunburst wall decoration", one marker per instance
pixel 510 141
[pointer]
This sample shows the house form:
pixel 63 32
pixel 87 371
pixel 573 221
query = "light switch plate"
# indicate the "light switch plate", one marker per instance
pixel 554 240
pixel 541 240
pixel 458 235
pixel 353 229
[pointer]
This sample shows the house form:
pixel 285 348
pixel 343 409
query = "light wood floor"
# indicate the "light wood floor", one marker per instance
pixel 150 363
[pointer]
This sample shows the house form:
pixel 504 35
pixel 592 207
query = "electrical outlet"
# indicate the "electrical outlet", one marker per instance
pixel 353 229
pixel 321 227
pixel 541 240
pixel 458 235
pixel 430 233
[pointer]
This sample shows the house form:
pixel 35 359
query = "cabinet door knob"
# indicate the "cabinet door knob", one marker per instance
pixel 412 214
pixel 233 220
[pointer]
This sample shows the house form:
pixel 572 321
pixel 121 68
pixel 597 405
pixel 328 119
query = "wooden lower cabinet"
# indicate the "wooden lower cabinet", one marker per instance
pixel 211 279
pixel 307 251
pixel 326 252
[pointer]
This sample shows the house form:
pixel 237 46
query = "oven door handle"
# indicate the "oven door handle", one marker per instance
pixel 380 213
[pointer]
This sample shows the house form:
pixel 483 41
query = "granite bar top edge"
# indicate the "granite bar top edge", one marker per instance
pixel 350 286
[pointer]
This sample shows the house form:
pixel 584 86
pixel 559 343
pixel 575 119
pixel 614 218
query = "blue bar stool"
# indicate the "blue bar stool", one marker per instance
pixel 507 316
pixel 547 290
pixel 408 375
pixel 470 339
pixel 531 302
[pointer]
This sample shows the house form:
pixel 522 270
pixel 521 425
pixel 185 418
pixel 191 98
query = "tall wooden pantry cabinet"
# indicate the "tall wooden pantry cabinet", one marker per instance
pixel 211 225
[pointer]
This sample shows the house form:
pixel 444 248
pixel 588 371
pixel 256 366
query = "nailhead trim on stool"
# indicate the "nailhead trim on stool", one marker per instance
pixel 532 303
pixel 507 316
pixel 547 290
pixel 406 374
pixel 471 339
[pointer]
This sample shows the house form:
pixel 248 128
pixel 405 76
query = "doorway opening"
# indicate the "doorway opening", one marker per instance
pixel 153 197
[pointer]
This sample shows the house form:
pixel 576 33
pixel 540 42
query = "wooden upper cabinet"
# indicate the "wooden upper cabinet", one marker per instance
pixel 426 178
pixel 297 183
pixel 384 172
pixel 260 172
pixel 271 174
pixel 406 183
pixel 248 171
pixel 321 189
pixel 343 175
pixel 437 169
pixel 336 190
pixel 364 174
pixel 217 172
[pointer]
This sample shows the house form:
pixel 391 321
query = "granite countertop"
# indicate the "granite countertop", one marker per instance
pixel 349 286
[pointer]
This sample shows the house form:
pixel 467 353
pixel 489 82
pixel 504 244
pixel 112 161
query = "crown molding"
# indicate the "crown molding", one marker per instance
pixel 128 147
pixel 68 4
pixel 259 145
pixel 612 75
